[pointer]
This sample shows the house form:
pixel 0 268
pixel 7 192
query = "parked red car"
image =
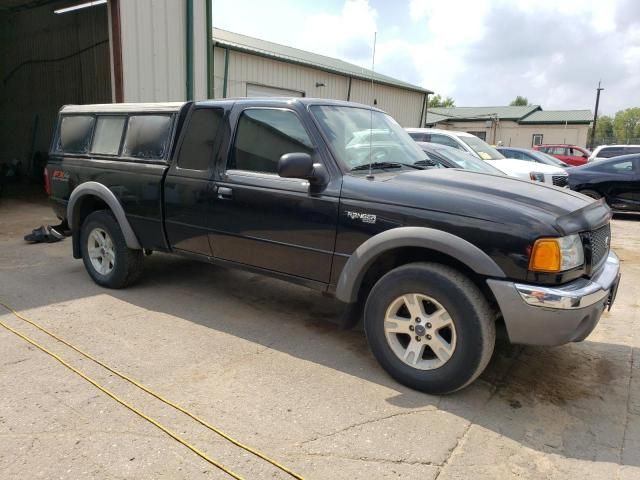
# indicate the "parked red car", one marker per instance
pixel 571 154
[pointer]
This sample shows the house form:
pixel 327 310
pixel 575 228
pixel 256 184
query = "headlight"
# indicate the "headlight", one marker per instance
pixel 556 254
pixel 536 176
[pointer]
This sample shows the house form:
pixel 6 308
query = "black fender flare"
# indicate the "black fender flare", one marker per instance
pixel 102 192
pixel 366 254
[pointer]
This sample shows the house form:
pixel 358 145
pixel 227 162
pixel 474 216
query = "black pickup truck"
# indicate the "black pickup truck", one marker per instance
pixel 336 196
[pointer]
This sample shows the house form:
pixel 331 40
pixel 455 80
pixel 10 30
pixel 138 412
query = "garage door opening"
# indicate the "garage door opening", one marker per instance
pixel 48 60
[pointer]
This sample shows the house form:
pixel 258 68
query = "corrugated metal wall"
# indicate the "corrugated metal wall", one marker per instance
pixel 154 50
pixel 44 67
pixel 245 68
pixel 404 105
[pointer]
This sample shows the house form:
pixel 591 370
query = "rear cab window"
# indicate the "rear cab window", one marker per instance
pixel 198 143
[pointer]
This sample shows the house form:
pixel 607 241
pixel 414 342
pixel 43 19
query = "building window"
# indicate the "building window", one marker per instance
pixel 480 135
pixel 536 140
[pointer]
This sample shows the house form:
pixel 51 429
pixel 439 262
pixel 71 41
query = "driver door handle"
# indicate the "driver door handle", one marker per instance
pixel 225 193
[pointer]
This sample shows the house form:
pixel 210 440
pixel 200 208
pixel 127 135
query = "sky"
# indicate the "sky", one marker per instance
pixel 479 52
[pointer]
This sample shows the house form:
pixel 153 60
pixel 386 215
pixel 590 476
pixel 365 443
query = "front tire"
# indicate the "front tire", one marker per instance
pixel 430 327
pixel 105 254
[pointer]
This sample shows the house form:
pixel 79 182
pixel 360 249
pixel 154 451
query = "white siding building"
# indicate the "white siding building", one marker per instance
pixel 246 66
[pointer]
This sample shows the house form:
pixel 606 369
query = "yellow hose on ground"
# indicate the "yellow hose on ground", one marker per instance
pixel 147 390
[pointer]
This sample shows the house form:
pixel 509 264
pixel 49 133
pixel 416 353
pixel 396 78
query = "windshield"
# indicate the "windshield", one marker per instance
pixel 482 148
pixel 466 160
pixel 358 136
pixel 548 159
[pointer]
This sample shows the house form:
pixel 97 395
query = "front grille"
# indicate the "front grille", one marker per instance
pixel 598 243
pixel 560 180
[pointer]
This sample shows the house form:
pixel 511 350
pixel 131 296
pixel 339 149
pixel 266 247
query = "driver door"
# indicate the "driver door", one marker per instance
pixel 262 220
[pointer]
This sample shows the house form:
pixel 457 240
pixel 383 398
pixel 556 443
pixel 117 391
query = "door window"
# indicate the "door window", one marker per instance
pixel 514 154
pixel 558 151
pixel 444 140
pixel 106 140
pixel 197 146
pixel 577 153
pixel 609 152
pixel 263 136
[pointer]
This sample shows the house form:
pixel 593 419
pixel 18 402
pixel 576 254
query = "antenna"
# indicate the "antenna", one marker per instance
pixel 373 99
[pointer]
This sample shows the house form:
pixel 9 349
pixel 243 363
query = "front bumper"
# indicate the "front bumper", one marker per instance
pixel 537 315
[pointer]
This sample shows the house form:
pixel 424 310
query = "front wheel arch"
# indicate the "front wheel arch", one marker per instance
pixel 432 245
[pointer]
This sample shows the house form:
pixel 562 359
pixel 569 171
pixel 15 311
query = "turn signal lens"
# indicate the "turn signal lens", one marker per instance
pixel 545 256
pixel 556 254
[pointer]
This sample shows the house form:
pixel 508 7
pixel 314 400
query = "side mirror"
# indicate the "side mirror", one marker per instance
pixel 295 165
pixel 300 165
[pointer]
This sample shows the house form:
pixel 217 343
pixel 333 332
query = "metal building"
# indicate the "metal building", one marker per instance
pixel 57 52
pixel 246 67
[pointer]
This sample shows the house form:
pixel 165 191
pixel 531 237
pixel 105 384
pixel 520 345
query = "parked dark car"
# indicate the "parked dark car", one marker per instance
pixel 443 156
pixel 429 259
pixel 532 156
pixel 616 179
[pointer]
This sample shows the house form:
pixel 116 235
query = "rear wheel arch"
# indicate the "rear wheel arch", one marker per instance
pixel 90 197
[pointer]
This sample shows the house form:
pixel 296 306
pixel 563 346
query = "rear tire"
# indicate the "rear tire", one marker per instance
pixel 105 254
pixel 591 193
pixel 456 328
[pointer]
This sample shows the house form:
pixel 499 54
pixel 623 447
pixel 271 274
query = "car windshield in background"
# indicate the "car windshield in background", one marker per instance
pixel 466 160
pixel 548 159
pixel 358 136
pixel 482 148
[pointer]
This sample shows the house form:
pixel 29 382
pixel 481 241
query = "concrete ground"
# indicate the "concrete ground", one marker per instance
pixel 263 361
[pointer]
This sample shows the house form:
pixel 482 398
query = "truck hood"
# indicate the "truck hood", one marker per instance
pixel 522 168
pixel 493 198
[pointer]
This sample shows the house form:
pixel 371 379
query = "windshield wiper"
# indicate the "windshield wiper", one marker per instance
pixel 374 165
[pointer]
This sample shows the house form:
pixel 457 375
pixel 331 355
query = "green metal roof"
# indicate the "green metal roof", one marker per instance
pixel 236 41
pixel 524 115
pixel 559 116
pixel 481 113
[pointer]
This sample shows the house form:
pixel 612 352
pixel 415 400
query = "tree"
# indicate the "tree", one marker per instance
pixel 438 101
pixel 604 130
pixel 520 101
pixel 626 124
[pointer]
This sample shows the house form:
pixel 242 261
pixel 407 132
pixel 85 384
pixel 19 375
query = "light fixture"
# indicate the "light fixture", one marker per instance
pixel 319 84
pixel 79 6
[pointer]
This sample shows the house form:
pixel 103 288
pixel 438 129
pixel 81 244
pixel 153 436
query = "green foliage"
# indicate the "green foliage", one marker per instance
pixel 604 129
pixel 437 101
pixel 520 101
pixel 626 124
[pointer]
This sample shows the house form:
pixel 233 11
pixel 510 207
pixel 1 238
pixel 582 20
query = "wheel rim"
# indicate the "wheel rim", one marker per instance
pixel 420 331
pixel 101 252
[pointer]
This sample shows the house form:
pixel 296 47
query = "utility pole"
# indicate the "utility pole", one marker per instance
pixel 595 115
